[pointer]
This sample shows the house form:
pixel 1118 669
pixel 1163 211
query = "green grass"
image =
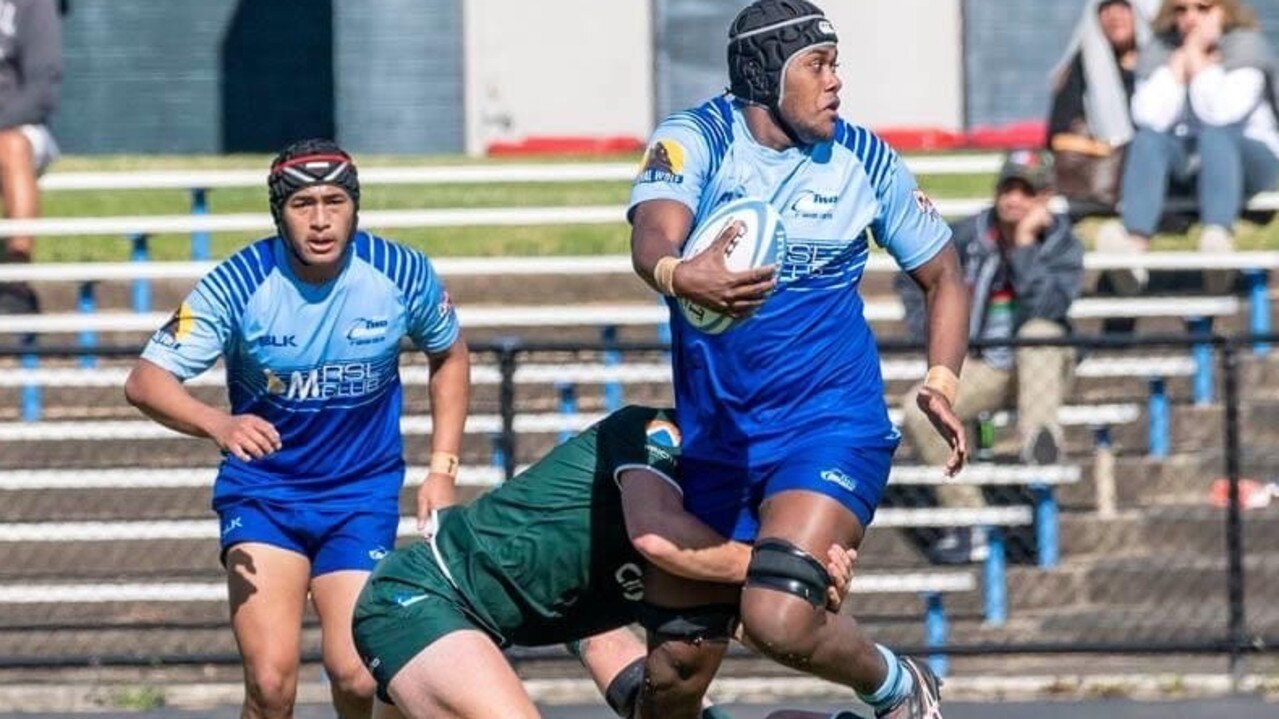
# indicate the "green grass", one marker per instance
pixel 138 698
pixel 468 241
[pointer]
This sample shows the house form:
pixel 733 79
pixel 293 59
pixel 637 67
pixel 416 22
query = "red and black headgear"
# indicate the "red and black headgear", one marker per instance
pixel 307 163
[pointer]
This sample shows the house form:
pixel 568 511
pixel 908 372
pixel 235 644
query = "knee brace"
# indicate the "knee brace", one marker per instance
pixel 778 564
pixel 711 622
pixel 623 691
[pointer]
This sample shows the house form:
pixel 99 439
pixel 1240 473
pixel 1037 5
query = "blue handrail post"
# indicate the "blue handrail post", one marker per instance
pixel 200 238
pixel 88 338
pixel 499 455
pixel 1046 525
pixel 1259 307
pixel 32 396
pixel 568 407
pixel 141 288
pixel 995 568
pixel 1160 418
pixel 935 630
pixel 1202 352
pixel 612 358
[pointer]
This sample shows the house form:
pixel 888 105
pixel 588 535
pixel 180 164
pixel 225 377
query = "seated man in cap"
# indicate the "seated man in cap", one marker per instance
pixel 1023 265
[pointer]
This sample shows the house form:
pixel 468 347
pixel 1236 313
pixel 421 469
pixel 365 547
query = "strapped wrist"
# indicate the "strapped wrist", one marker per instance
pixel 943 381
pixel 664 275
pixel 444 463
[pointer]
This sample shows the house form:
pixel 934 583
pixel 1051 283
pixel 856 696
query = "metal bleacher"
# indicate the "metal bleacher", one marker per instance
pixel 31 380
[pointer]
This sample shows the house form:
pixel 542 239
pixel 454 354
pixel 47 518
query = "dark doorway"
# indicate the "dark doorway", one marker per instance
pixel 277 74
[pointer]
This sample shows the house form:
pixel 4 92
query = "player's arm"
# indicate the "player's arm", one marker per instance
pixel 187 345
pixel 163 398
pixel 433 327
pixel 664 197
pixel 946 303
pixel 671 538
pixel 910 228
pixel 450 390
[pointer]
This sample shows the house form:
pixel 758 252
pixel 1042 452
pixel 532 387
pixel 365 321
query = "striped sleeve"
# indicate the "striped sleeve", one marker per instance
pixel 202 327
pixel 907 224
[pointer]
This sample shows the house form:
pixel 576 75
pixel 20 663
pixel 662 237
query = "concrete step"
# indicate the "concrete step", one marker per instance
pixel 1172 580
pixel 135 504
pixel 477 449
pixel 1199 621
pixel 128 643
pixel 1195 531
pixel 65 616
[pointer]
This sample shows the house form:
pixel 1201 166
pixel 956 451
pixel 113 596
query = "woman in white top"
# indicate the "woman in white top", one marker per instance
pixel 1205 110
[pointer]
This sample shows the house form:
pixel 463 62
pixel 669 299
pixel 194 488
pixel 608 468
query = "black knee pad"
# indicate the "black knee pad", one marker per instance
pixel 623 691
pixel 710 622
pixel 778 564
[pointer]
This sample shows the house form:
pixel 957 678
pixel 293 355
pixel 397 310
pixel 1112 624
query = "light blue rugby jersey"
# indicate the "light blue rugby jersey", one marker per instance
pixel 321 363
pixel 806 364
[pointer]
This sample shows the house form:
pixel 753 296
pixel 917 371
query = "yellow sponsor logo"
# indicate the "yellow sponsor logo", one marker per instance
pixel 178 328
pixel 664 162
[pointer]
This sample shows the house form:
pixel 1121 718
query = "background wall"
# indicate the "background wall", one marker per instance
pixel 561 67
pixel 448 76
pixel 399 74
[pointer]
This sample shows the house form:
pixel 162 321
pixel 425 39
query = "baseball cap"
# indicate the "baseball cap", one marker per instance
pixel 1030 166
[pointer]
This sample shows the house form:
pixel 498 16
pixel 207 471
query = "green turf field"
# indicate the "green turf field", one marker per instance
pixel 469 241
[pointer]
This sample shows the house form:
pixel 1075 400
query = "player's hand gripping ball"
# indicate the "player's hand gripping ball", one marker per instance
pixel 761 241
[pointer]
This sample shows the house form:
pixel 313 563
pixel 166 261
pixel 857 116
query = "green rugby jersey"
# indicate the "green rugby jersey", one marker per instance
pixel 545 557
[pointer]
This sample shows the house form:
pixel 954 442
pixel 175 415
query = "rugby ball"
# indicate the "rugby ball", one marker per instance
pixel 761 240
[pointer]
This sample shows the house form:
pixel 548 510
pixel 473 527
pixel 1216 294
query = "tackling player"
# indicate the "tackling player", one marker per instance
pixel 787 436
pixel 309 324
pixel 554 555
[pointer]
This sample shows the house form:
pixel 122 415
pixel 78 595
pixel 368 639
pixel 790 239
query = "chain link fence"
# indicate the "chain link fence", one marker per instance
pixel 1119 499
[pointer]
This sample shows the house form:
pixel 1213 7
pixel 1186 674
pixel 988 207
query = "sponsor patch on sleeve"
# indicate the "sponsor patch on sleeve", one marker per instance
pixel 664 162
pixel 925 204
pixel 180 324
pixel 445 308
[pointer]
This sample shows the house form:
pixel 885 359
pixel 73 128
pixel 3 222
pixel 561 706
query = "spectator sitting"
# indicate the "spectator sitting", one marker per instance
pixel 1024 267
pixel 1205 109
pixel 1093 83
pixel 30 72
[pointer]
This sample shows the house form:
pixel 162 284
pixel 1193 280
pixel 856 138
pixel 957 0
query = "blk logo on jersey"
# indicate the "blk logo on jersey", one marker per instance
pixel 278 341
pixel 233 524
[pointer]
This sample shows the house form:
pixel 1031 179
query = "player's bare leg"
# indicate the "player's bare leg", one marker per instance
pixel 463 675
pixel 334 595
pixel 267 588
pixel 18 188
pixel 607 655
pixel 679 669
pixel 800 632
pixel 382 710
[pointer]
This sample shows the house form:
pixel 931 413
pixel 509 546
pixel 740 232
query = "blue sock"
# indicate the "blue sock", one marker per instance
pixel 897 685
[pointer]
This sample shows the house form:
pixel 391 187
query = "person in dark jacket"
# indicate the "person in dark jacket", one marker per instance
pixel 1023 265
